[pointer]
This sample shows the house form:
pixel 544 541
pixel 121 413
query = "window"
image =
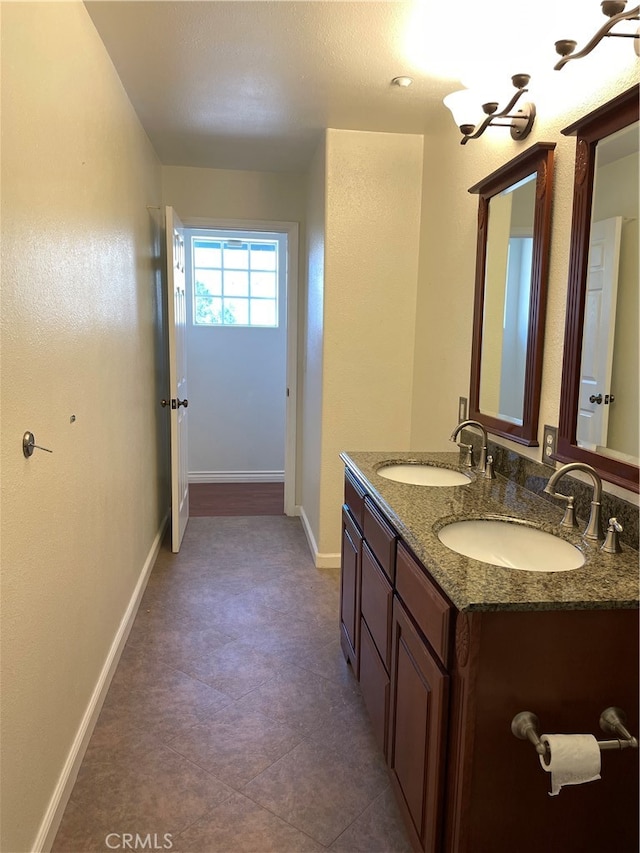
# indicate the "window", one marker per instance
pixel 235 282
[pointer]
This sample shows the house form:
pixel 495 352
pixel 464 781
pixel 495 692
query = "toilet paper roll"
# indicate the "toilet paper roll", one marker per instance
pixel 574 759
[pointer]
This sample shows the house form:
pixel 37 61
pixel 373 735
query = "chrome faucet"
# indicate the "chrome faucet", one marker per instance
pixel 482 463
pixel 592 530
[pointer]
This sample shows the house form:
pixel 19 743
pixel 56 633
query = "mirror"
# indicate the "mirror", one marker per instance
pixel 514 214
pixel 600 398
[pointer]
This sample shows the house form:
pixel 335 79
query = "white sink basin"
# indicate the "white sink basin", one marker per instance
pixel 515 546
pixel 423 474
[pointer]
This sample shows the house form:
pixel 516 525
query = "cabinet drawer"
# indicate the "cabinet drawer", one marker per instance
pixel 350 526
pixel 374 683
pixel 381 538
pixel 427 605
pixel 376 604
pixel 354 498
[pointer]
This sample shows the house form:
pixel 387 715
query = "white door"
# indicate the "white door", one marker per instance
pixel 178 399
pixel 598 337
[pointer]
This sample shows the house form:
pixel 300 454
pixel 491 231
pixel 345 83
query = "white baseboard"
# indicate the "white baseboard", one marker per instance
pixel 236 476
pixel 328 561
pixel 55 810
pixel 320 561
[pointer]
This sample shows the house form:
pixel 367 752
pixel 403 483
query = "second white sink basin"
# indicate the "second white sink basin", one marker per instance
pixel 512 545
pixel 423 474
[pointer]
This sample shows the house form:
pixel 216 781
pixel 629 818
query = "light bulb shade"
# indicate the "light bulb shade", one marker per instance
pixel 464 106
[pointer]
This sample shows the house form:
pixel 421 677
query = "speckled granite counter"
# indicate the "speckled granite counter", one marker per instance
pixel 605 581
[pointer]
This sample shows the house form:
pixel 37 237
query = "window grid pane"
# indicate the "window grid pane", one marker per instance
pixel 235 282
pixel 263 312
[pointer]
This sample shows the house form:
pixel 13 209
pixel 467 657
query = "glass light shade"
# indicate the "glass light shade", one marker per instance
pixel 465 107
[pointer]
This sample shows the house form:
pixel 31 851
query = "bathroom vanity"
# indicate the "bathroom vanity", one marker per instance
pixel 448 649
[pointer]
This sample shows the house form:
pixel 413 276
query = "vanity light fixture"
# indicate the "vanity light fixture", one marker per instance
pixel 615 11
pixel 463 106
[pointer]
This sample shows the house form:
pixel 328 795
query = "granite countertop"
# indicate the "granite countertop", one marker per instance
pixel 605 581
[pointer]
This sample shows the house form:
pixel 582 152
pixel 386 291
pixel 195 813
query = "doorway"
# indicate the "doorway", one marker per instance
pixel 242 345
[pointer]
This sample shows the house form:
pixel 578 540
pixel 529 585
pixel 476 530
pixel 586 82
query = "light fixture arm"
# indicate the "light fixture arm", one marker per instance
pixel 565 47
pixel 521 125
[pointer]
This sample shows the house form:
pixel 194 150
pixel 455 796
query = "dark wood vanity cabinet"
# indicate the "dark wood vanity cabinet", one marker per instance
pixel 402 675
pixel 441 687
pixel 566 666
pixel 376 599
pixel 419 702
pixel 350 578
pixel 350 591
pixel 417 730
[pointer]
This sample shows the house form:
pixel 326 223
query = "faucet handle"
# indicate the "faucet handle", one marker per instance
pixel 468 459
pixel 488 469
pixel 612 542
pixel 569 517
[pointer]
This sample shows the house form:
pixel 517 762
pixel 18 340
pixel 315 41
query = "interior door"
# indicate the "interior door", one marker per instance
pixel 178 395
pixel 598 337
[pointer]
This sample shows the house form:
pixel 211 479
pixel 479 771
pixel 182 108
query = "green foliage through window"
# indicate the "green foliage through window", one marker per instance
pixel 235 282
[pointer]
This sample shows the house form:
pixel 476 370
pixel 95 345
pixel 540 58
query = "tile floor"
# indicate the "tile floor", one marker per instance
pixel 233 722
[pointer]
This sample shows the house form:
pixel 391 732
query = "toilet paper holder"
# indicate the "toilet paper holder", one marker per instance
pixel 525 725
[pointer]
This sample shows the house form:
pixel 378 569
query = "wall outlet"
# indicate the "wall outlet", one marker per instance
pixel 462 409
pixel 549 443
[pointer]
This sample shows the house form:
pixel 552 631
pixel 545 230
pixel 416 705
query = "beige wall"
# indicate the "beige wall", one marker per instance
pixel 228 194
pixel 447 249
pixel 371 221
pixel 81 323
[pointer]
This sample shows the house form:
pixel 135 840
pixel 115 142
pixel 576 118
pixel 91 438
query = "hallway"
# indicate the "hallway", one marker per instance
pixel 233 722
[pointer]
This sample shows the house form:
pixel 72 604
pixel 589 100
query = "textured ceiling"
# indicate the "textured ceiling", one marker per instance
pixel 251 85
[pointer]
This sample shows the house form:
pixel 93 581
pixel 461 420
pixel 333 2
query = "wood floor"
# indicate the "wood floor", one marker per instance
pixel 214 499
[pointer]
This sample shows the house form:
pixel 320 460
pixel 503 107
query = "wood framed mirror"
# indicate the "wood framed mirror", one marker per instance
pixel 599 400
pixel 514 222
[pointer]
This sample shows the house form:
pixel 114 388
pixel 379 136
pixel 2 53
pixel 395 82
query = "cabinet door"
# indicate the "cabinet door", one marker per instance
pixel 350 592
pixel 417 738
pixel 374 684
pixel 375 603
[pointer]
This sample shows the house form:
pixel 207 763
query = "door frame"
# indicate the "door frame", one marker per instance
pixel 291 229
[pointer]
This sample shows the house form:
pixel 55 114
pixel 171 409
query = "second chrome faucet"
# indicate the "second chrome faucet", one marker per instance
pixel 481 467
pixel 592 530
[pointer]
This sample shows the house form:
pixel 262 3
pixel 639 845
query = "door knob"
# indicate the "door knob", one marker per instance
pixel 595 398
pixel 608 398
pixel 175 404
